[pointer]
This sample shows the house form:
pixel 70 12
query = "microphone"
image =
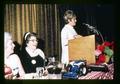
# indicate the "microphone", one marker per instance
pixel 90 27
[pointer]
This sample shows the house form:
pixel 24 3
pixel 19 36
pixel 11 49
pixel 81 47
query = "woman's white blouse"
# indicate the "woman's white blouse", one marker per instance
pixel 67 33
pixel 35 53
pixel 13 62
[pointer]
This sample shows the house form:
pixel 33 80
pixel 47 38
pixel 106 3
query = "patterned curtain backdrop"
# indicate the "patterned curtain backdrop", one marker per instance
pixel 40 18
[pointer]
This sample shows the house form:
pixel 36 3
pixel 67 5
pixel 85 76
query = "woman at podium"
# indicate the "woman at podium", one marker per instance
pixel 68 32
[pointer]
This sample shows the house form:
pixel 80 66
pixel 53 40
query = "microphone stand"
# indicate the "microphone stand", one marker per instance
pixel 98 32
pixel 101 36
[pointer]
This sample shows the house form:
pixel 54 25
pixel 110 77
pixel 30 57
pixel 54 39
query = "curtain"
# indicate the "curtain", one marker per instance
pixel 42 19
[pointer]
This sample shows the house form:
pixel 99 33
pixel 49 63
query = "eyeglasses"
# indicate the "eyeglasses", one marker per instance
pixel 33 40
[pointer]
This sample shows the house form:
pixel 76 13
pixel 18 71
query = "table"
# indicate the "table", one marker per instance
pixel 47 77
pixel 100 75
pixel 91 75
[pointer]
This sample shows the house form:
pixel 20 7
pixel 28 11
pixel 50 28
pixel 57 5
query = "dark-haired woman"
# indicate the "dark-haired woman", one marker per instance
pixel 31 56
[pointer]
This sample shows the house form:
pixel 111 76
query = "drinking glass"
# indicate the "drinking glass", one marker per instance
pixel 39 71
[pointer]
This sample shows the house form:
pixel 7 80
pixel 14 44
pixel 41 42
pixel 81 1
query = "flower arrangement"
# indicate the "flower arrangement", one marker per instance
pixel 104 52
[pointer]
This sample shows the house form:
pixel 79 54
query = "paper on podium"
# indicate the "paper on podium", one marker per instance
pixel 82 48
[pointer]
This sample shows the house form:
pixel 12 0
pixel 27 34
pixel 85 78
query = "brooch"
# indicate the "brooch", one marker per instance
pixel 33 61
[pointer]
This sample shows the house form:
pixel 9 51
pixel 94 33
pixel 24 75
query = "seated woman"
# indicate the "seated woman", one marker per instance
pixel 31 56
pixel 12 64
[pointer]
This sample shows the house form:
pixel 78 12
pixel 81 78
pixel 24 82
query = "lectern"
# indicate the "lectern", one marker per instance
pixel 82 48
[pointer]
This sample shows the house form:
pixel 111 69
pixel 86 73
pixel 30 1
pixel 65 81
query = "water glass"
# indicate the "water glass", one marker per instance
pixel 40 71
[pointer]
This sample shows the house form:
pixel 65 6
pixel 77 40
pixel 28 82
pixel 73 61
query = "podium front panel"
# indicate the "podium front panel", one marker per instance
pixel 82 48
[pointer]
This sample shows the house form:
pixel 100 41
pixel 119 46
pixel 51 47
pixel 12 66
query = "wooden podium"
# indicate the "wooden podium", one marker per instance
pixel 82 48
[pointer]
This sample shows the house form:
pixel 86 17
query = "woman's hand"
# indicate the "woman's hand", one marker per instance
pixel 9 76
pixel 8 72
pixel 77 36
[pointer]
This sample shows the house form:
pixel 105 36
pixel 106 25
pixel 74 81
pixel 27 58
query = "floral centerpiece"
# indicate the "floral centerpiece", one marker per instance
pixel 104 52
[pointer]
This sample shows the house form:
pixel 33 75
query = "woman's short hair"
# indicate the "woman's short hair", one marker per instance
pixel 7 36
pixel 28 35
pixel 69 14
pixel 26 39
